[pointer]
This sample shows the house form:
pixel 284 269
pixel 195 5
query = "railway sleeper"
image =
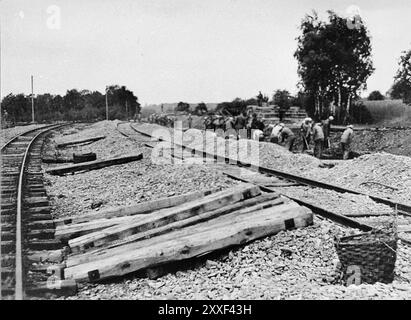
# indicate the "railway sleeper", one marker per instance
pixel 40 217
pixel 38 194
pixel 7 260
pixel 59 288
pixel 8 235
pixel 42 224
pixel 36 201
pixel 41 234
pixel 9 218
pixel 8 206
pixel 44 244
pixel 8 192
pixel 8 246
pixel 7 272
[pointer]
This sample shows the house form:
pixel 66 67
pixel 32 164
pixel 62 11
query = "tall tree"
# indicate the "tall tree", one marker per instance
pixel 401 88
pixel 334 61
pixel 282 98
pixel 200 109
pixel 183 106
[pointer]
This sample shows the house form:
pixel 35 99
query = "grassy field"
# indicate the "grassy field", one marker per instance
pixel 389 112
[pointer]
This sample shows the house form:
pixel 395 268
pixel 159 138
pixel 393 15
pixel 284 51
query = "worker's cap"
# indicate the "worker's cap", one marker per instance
pixel 282 125
pixel 350 126
pixel 331 118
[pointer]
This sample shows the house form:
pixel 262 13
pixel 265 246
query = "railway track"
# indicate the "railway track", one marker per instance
pixel 290 179
pixel 27 228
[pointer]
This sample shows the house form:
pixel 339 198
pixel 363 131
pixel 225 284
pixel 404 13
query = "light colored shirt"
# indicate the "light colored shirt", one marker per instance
pixel 347 136
pixel 318 133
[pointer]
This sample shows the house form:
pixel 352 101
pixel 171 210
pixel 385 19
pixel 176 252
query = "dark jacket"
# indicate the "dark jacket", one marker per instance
pixel 240 122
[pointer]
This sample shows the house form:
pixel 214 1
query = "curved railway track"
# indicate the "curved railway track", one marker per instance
pixel 26 228
pixel 401 208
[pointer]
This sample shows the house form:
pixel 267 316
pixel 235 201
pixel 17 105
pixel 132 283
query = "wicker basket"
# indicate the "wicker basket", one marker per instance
pixel 372 255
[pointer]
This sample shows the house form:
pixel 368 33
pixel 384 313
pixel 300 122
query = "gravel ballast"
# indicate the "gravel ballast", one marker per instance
pixel 297 264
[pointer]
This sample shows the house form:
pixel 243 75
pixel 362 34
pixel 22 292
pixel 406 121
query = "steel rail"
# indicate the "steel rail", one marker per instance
pixel 19 274
pixel 22 134
pixel 401 207
pixel 19 285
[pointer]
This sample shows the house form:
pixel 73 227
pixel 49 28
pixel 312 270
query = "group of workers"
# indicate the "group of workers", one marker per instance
pixel 317 132
pixel 161 119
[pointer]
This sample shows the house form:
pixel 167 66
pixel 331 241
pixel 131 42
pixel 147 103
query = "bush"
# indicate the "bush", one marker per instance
pixel 389 111
pixel 360 114
pixel 376 96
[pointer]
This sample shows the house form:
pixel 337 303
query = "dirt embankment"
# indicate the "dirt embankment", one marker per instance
pixel 395 141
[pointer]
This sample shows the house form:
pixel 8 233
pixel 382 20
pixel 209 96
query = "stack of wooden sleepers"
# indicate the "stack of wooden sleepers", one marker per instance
pixel 117 242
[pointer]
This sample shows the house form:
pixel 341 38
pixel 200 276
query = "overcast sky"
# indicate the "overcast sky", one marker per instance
pixel 173 50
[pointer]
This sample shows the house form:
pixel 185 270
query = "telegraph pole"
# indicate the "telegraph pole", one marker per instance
pixel 32 101
pixel 106 105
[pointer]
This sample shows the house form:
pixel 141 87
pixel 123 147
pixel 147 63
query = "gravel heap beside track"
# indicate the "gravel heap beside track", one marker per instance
pixel 341 203
pixel 387 169
pixel 126 184
pixel 7 134
pixel 297 264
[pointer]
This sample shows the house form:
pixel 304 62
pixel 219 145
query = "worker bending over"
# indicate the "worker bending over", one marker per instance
pixel 318 138
pixel 346 139
pixel 287 136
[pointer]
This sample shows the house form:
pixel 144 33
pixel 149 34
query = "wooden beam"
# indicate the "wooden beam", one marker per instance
pixel 66 144
pixel 70 231
pixel 57 160
pixel 93 165
pixel 258 203
pixel 163 217
pixel 140 208
pixel 225 231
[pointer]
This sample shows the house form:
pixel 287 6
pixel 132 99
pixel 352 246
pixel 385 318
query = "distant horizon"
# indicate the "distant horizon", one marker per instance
pixel 181 50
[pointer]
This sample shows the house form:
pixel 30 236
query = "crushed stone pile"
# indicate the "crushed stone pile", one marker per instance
pixel 7 134
pixel 341 203
pixel 126 184
pixel 381 174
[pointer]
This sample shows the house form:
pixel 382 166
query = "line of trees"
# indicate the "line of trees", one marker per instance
pixel 75 105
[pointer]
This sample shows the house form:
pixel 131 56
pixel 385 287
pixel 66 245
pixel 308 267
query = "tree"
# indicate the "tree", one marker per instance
pixel 235 107
pixel 200 109
pixel 401 88
pixel 334 62
pixel 17 106
pixel 183 106
pixel 124 101
pixel 74 105
pixel 282 98
pixel 376 96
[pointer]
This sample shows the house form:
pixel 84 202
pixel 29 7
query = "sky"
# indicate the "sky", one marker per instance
pixel 178 50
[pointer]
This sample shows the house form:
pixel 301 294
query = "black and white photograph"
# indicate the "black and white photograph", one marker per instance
pixel 211 152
